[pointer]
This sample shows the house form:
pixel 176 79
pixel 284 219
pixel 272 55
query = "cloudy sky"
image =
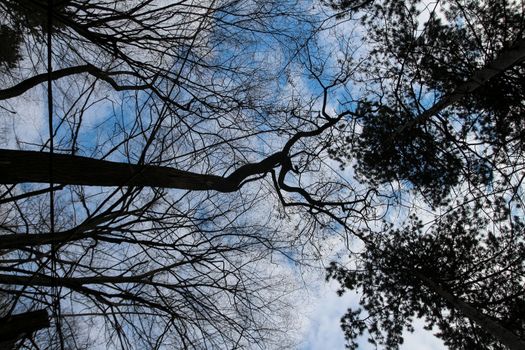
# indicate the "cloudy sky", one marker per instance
pixel 319 318
pixel 323 332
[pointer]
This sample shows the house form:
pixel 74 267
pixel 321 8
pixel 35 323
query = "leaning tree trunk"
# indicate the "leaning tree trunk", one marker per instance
pixel 31 166
pixel 506 60
pixel 500 333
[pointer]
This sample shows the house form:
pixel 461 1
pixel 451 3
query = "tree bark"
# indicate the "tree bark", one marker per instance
pixel 502 334
pixel 15 326
pixel 31 166
pixel 506 60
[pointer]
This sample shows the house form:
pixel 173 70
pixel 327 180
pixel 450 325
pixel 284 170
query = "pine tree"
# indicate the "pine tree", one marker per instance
pixel 462 275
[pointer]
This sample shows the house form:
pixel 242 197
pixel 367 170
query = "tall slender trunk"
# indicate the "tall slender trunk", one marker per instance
pixel 494 328
pixel 506 60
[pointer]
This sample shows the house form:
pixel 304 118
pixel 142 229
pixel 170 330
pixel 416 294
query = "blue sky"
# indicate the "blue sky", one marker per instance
pixel 321 330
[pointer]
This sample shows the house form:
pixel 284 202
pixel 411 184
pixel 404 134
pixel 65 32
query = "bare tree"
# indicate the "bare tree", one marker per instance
pixel 171 129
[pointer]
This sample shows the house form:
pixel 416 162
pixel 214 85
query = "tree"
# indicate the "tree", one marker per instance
pixel 10 41
pixel 166 142
pixel 463 275
pixel 439 123
pixel 445 78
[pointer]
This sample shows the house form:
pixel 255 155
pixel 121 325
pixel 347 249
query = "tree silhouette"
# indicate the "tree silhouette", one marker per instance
pixel 462 275
pixel 189 144
pixel 440 87
pixel 176 163
pixel 439 131
pixel 10 47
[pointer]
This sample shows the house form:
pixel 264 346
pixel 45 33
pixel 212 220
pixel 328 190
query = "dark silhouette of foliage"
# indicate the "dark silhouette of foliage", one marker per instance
pixel 419 63
pixel 407 273
pixel 10 46
pixel 31 15
pixel 443 115
pixel 418 155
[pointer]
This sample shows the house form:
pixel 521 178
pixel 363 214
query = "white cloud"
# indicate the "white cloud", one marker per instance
pixel 421 339
pixel 322 328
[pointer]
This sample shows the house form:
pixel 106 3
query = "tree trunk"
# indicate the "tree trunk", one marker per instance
pixel 31 166
pixel 12 328
pixel 500 333
pixel 506 60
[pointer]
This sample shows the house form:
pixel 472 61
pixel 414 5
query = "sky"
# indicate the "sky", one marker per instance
pixel 320 328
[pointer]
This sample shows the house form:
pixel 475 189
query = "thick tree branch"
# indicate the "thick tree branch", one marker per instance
pixel 15 326
pixel 29 83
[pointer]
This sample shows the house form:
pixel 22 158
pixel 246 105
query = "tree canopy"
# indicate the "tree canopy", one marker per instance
pixel 441 87
pixel 429 272
pixel 440 129
pixel 164 166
